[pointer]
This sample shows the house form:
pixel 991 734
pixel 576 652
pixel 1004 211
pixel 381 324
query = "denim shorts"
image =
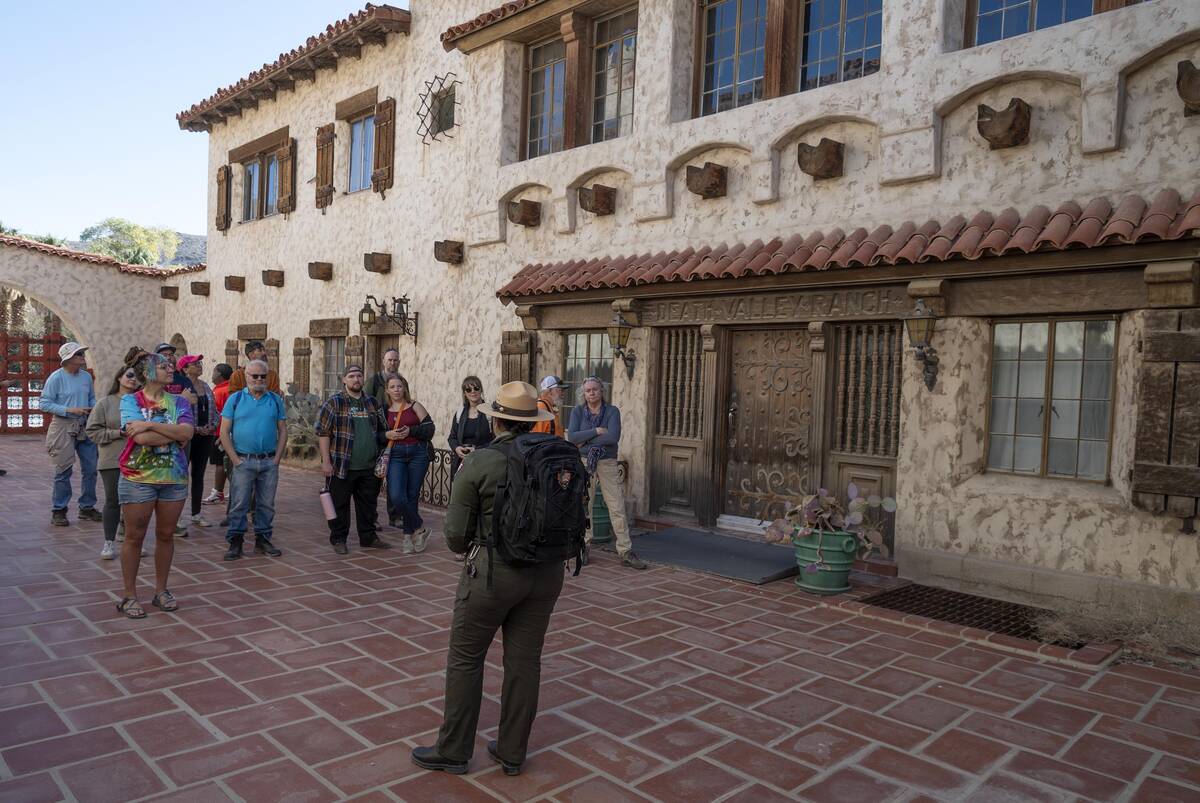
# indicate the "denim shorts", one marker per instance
pixel 135 493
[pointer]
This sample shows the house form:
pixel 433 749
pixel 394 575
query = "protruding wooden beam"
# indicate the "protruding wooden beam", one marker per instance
pixel 1007 128
pixel 321 271
pixel 1187 84
pixel 823 160
pixel 199 288
pixel 346 49
pixel 301 74
pixel 525 212
pixel 448 251
pixel 272 278
pixel 530 315
pixel 169 292
pixel 377 263
pixel 236 284
pixel 598 199
pixel 709 181
pixel 1173 284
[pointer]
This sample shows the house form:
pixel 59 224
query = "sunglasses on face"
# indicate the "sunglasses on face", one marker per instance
pixel 257 376
pixel 471 389
pixel 130 375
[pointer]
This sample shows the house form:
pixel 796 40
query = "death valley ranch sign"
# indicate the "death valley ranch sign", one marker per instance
pixel 875 302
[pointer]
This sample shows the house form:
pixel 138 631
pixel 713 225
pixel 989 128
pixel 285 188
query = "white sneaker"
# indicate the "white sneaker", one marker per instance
pixel 200 521
pixel 214 497
pixel 420 539
pixel 108 552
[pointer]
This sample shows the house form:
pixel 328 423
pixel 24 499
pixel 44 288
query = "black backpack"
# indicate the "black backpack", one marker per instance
pixel 540 510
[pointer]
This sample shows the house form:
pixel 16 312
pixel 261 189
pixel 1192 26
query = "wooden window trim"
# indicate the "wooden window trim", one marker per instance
pixel 526 109
pixel 255 147
pixel 773 47
pixel 356 106
pixel 1051 320
pixel 262 160
pixel 972 16
pixel 588 72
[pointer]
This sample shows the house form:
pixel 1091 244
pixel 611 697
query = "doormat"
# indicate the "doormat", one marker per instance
pixel 957 608
pixel 735 558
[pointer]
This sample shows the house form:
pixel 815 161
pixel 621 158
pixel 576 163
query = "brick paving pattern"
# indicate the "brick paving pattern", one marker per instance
pixel 310 677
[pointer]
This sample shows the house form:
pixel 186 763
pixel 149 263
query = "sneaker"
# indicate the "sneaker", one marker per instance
pixel 262 547
pixel 341 548
pixel 199 521
pixel 420 540
pixel 109 551
pixel 90 514
pixel 632 561
pixel 214 497
pixel 59 518
pixel 181 531
pixel 406 546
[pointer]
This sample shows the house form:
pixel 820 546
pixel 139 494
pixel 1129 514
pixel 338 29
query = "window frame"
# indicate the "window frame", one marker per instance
pixel 577 385
pixel 1051 321
pixel 368 154
pixel 326 392
pixel 262 161
pixel 588 95
pixel 527 104
pixel 971 19
pixel 800 33
pixel 443 99
pixel 701 29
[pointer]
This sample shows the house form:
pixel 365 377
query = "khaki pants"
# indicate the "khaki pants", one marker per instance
pixel 607 477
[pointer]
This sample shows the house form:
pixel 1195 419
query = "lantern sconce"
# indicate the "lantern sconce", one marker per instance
pixel 920 331
pixel 374 310
pixel 618 335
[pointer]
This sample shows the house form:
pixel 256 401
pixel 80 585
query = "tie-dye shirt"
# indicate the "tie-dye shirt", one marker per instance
pixel 155 465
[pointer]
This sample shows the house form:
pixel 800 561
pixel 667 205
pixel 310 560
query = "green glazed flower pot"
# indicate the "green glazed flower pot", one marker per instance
pixel 835 551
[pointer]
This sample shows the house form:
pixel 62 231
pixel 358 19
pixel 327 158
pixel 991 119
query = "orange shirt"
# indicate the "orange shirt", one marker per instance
pixel 549 427
pixel 238 381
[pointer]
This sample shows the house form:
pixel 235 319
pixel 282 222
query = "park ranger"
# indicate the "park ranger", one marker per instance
pixel 520 601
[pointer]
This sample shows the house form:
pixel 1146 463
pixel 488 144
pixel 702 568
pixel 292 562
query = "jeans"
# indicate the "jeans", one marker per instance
pixel 363 488
pixel 198 464
pixel 138 493
pixel 88 456
pixel 112 502
pixel 406 474
pixel 257 479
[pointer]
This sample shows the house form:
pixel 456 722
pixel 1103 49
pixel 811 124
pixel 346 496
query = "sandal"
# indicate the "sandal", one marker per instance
pixel 165 602
pixel 131 608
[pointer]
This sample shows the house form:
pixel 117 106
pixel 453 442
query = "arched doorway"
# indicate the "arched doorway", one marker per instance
pixel 30 335
pixel 179 343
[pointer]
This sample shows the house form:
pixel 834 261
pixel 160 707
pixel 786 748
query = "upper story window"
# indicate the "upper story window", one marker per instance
pixel 547 86
pixel 250 182
pixel 1051 398
pixel 362 149
pixel 260 187
pixel 993 20
pixel 842 40
pixel 442 118
pixel 613 70
pixel 734 40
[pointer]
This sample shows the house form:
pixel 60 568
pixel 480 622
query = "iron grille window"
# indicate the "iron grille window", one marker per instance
pixel 735 33
pixel 613 69
pixel 362 152
pixel 993 20
pixel 333 359
pixel 867 392
pixel 1051 398
pixel 547 82
pixel 443 112
pixel 842 41
pixel 680 368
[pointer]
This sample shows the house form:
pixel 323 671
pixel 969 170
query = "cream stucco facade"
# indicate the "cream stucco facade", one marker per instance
pixel 1107 121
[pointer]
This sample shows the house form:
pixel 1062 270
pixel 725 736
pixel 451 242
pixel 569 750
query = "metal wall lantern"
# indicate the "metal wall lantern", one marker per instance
pixel 920 331
pixel 374 310
pixel 618 335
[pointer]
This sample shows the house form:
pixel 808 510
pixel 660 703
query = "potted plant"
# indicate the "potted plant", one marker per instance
pixel 828 536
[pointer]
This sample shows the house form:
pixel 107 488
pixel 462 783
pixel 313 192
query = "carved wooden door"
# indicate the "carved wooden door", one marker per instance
pixel 769 421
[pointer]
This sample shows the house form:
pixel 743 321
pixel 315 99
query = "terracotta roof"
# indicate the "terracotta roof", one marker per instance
pixel 343 37
pixel 483 20
pixel 1098 223
pixel 99 259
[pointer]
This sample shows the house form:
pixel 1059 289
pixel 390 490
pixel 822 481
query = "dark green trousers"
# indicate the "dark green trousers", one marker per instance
pixel 520 603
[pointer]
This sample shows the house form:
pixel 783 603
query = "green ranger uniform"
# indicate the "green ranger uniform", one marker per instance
pixel 520 601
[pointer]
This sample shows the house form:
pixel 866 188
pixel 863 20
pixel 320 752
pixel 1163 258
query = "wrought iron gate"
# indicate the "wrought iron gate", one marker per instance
pixel 27 361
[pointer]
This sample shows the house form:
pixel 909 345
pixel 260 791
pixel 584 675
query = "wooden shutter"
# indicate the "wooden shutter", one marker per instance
pixel 385 146
pixel 223 187
pixel 1166 470
pixel 285 156
pixel 516 356
pixel 325 137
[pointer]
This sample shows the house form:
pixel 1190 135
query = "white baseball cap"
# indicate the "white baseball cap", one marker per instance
pixel 551 382
pixel 69 349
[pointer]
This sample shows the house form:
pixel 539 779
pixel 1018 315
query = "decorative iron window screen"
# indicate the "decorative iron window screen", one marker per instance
pixel 613 70
pixel 681 364
pixel 867 388
pixel 842 41
pixel 734 57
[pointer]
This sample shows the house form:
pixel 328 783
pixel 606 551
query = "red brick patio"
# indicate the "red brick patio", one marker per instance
pixel 310 677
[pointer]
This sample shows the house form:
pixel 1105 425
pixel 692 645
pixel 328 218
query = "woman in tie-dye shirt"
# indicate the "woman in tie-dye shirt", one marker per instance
pixel 154 475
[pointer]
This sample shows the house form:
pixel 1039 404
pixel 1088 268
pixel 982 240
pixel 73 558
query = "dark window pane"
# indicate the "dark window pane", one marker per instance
pixel 1016 22
pixel 988 29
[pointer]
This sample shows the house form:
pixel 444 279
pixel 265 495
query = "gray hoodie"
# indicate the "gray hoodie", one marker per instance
pixel 104 428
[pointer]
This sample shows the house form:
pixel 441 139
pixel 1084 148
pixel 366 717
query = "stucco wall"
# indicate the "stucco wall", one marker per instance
pixel 108 310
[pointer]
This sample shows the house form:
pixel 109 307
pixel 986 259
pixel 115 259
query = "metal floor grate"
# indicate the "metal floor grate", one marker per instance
pixel 955 607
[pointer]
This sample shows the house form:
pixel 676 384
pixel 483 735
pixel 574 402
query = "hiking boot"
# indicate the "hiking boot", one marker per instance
pixel 508 766
pixel 429 759
pixel 632 561
pixel 214 497
pixel 406 546
pixel 264 547
pixel 59 518
pixel 378 543
pixel 90 514
pixel 109 551
pixel 235 551
pixel 420 539
pixel 341 548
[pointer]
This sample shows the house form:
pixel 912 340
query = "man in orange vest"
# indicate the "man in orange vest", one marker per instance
pixel 550 396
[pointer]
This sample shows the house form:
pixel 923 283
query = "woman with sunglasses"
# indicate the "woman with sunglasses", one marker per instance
pixel 470 429
pixel 104 430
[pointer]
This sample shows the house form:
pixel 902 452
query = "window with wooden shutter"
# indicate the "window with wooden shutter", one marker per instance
pixel 325 137
pixel 286 159
pixel 516 356
pixel 1166 470
pixel 385 146
pixel 223 187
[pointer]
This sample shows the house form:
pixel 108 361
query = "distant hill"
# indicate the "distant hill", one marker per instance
pixel 191 251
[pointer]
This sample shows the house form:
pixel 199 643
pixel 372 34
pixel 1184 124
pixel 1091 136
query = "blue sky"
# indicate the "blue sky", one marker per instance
pixel 91 89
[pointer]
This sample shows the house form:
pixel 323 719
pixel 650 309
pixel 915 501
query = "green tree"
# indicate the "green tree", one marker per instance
pixel 48 239
pixel 133 244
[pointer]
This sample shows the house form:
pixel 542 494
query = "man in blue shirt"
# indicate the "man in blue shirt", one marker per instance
pixel 254 436
pixel 69 396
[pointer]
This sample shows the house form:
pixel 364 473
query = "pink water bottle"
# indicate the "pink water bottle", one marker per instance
pixel 327 504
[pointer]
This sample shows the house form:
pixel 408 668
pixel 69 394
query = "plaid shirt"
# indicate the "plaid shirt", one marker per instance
pixel 333 422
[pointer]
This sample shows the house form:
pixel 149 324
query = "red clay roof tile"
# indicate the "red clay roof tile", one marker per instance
pixel 1024 239
pixel 99 259
pixel 483 20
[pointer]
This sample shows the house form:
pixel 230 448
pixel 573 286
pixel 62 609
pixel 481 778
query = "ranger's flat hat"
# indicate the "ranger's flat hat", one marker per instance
pixel 516 401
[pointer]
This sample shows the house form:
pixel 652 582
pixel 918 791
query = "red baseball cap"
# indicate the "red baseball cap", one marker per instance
pixel 188 359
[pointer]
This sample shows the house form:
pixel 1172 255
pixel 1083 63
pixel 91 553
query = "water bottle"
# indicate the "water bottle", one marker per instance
pixel 327 504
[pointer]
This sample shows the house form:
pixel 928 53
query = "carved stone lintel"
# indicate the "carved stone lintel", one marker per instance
pixel 377 263
pixel 823 160
pixel 817 332
pixel 525 212
pixel 933 292
pixel 272 278
pixel 1187 84
pixel 598 199
pixel 321 271
pixel 200 288
pixel 530 315
pixel 1007 128
pixel 708 336
pixel 329 327
pixel 252 331
pixel 169 292
pixel 448 251
pixel 236 284
pixel 710 181
pixel 1173 284
pixel 630 309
